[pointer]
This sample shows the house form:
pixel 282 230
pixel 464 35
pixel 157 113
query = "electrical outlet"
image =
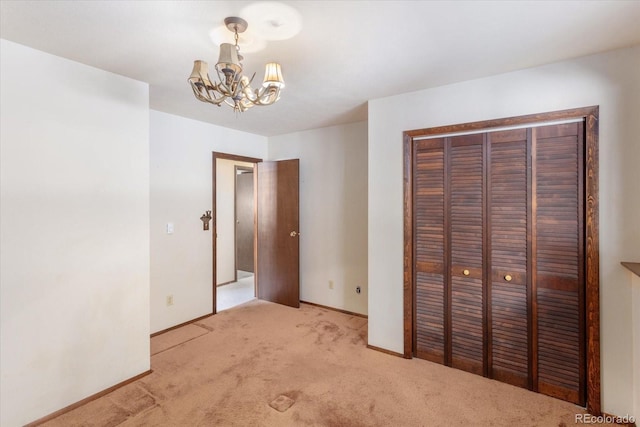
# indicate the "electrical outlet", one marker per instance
pixel 169 300
pixel 330 284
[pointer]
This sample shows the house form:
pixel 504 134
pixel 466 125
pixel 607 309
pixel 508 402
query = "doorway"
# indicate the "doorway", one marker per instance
pixel 245 221
pixel 276 233
pixel 233 230
pixel 243 287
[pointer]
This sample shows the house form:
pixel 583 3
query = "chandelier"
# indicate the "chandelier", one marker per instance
pixel 233 88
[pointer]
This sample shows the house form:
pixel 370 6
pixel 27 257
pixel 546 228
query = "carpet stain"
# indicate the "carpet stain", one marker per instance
pixel 134 399
pixel 333 417
pixel 282 403
pixel 293 394
pixel 330 327
pixel 207 327
pixel 361 338
pixel 326 329
pixel 144 386
pixel 240 379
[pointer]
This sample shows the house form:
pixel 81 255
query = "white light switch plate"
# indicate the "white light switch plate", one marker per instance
pixel 169 228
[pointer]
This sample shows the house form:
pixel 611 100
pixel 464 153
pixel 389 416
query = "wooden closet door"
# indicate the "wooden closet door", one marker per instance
pixel 429 227
pixel 507 282
pixel 558 264
pixel 499 271
pixel 466 212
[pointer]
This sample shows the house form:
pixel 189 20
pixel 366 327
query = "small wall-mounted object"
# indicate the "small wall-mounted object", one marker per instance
pixel 205 218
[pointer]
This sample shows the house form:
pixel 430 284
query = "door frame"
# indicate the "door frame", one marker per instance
pixel 591 230
pixel 234 157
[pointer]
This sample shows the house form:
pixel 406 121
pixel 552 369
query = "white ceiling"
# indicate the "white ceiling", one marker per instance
pixel 346 53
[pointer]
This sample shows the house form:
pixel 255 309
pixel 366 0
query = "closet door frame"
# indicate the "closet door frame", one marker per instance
pixel 591 229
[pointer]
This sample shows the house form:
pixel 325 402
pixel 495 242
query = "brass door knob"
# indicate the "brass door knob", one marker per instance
pixel 293 234
pixel 508 277
pixel 466 272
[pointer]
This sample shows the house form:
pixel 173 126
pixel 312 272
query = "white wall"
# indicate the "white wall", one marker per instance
pixel 609 80
pixel 181 180
pixel 74 246
pixel 225 219
pixel 333 212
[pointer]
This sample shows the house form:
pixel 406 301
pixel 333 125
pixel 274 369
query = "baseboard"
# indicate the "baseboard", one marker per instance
pixel 384 350
pixel 86 400
pixel 155 334
pixel 339 310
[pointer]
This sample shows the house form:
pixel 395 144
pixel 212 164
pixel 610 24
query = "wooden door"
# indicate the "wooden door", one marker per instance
pixel 558 264
pixel 466 216
pixel 244 219
pixel 499 258
pixel 431 250
pixel 277 198
pixel 449 213
pixel 507 255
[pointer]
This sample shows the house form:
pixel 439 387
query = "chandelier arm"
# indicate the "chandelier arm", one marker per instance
pixel 220 87
pixel 247 90
pixel 208 98
pixel 249 95
pixel 207 93
pixel 211 93
pixel 251 79
pixel 266 96
pixel 246 103
pixel 196 92
pixel 237 87
pixel 256 98
pixel 224 90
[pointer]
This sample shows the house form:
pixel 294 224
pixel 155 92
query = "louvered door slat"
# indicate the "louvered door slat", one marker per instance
pixel 508 224
pixel 466 181
pixel 429 250
pixel 558 263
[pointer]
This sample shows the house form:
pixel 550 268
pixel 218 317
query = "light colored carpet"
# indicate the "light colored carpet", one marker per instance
pixel 236 293
pixel 255 353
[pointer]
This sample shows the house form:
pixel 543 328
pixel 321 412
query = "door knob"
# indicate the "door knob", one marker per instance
pixel 293 234
pixel 466 272
pixel 508 277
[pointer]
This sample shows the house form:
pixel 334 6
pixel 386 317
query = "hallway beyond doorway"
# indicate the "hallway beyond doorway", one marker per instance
pixel 236 293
